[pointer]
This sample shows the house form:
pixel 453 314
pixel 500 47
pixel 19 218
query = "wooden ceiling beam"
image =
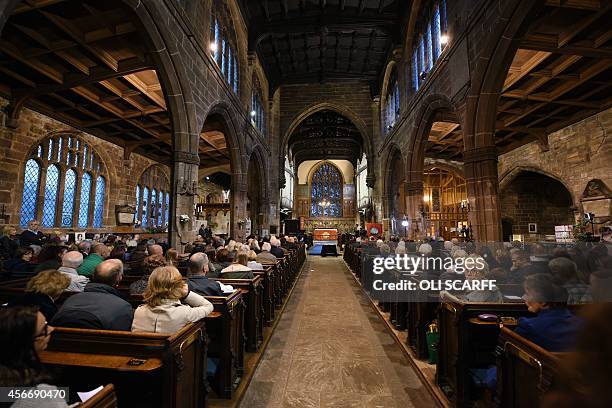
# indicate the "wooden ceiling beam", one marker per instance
pixel 28 5
pixel 48 71
pixel 575 4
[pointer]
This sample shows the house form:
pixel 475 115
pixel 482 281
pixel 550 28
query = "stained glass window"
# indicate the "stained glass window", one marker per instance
pixel 223 42
pixel 60 143
pixel 326 192
pixel 230 60
pixel 160 204
pixel 50 152
pixel 30 191
pixel 50 203
pixel 167 207
pixel 99 202
pixel 145 200
pixel 84 206
pixel 223 56
pixel 153 204
pixel 137 203
pixel 429 46
pixel 235 75
pixel 69 195
pixel 84 156
pixel 39 151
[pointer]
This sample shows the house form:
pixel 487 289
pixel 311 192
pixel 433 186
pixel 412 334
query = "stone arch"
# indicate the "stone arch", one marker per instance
pixel 445 165
pixel 342 110
pixel 258 157
pixel 431 107
pixel 392 67
pixel 511 174
pixel 230 130
pixel 392 153
pixel 491 69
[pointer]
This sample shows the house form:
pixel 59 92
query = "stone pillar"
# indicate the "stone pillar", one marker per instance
pixel 480 167
pixel 184 189
pixel 239 209
pixel 414 209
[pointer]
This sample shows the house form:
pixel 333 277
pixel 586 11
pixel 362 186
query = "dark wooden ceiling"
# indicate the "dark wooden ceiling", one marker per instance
pixel 85 63
pixel 305 41
pixel 561 74
pixel 326 135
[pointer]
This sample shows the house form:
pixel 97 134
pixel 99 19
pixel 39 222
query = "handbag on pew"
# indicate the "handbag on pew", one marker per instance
pixel 433 337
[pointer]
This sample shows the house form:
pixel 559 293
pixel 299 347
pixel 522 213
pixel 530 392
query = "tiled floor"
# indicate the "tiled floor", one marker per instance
pixel 330 349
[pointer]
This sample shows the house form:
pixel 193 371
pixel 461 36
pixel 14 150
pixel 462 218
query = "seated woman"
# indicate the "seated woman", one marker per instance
pixel 163 311
pixel 20 266
pixel 253 264
pixel 42 291
pixel 50 257
pixel 239 269
pixel 23 334
pixel 474 274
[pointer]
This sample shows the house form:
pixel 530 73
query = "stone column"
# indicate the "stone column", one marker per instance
pixel 480 167
pixel 184 189
pixel 414 207
pixel 239 209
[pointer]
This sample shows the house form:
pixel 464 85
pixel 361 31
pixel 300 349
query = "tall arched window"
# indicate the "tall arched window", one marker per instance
pixel 430 40
pixel 151 208
pixel 223 43
pixel 257 108
pixel 391 110
pixel 61 171
pixel 326 192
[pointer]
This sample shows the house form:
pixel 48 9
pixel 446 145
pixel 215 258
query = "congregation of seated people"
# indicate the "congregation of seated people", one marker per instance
pixel 93 270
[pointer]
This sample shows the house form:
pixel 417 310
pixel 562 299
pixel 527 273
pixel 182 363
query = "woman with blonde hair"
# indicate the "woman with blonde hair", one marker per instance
pixel 42 291
pixel 253 264
pixel 163 311
pixel 172 256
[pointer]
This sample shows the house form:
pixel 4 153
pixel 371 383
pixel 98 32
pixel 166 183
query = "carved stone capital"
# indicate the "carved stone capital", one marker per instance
pixel 480 154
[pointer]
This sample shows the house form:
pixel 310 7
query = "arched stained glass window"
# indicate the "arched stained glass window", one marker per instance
pixel 223 43
pixel 84 206
pixel 30 190
pixel 326 192
pixel 155 181
pixel 67 162
pixel 145 200
pixel 99 202
pixel 69 195
pixel 50 203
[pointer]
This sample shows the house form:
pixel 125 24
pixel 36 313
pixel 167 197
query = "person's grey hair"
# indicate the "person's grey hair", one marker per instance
pixel 384 249
pixel 274 242
pixel 266 246
pixel 425 249
pixel 84 246
pixel 197 262
pixel 72 259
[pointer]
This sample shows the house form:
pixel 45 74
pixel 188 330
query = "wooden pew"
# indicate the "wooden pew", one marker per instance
pixel 466 342
pixel 268 277
pixel 525 371
pixel 155 370
pixel 103 399
pixel 277 283
pixel 226 334
pixel 252 293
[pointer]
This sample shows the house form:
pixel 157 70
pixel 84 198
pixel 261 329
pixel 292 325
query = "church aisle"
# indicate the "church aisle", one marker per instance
pixel 331 349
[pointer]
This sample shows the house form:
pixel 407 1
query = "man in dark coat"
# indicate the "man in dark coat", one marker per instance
pixel 198 281
pixel 101 306
pixel 32 236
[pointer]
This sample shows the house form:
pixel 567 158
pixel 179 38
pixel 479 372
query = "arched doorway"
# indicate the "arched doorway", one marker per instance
pixel 444 203
pixel 218 171
pixel 535 203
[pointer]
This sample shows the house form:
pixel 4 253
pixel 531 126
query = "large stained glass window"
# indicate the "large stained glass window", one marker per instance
pixel 326 192
pixel 69 195
pixel 85 193
pixel 160 205
pixel 99 202
pixel 70 166
pixel 30 191
pixel 223 44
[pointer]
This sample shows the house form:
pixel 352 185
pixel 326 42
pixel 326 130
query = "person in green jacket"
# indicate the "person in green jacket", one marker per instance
pixel 98 253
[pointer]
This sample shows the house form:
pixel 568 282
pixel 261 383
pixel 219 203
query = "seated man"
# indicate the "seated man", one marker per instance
pixel 276 249
pixel 155 259
pixel 101 305
pixel 239 269
pixel 98 253
pixel 265 256
pixel 565 273
pixel 70 262
pixel 198 281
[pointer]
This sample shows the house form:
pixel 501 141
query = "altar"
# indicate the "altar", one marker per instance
pixel 325 242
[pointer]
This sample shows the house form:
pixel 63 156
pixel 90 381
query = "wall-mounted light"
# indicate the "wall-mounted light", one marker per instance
pixel 253 113
pixel 444 39
pixel 426 198
pixel 213 46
